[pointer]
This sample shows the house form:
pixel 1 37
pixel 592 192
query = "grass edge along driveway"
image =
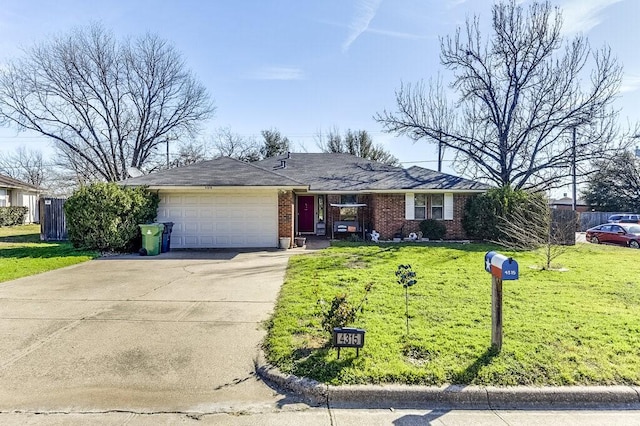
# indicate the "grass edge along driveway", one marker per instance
pixel 578 327
pixel 23 254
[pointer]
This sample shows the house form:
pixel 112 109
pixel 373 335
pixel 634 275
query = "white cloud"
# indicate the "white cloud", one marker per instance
pixel 276 73
pixel 396 34
pixel 583 15
pixel 366 10
pixel 630 83
pixel 453 3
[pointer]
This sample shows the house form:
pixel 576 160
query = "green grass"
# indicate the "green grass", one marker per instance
pixel 23 254
pixel 579 327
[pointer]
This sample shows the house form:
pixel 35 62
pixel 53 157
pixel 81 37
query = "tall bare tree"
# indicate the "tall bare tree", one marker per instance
pixel 520 94
pixel 357 143
pixel 107 104
pixel 25 165
pixel 229 144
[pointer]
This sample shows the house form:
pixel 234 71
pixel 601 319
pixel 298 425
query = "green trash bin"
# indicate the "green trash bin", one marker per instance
pixel 151 238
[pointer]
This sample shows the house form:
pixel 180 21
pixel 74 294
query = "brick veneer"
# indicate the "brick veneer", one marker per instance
pixel 388 211
pixel 384 213
pixel 286 215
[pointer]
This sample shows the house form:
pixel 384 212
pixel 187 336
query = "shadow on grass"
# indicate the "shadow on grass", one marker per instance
pixel 467 376
pixel 24 238
pixel 48 250
pixel 315 365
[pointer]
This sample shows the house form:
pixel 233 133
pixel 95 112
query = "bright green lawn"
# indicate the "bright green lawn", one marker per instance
pixel 576 327
pixel 22 253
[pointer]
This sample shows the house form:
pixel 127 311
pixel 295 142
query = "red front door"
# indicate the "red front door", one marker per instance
pixel 306 213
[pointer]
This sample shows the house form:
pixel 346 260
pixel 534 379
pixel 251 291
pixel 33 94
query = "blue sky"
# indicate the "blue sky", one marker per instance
pixel 305 66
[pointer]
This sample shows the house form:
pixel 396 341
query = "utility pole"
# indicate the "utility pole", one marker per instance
pixel 168 150
pixel 439 152
pixel 573 171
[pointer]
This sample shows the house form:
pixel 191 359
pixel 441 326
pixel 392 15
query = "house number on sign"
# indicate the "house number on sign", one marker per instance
pixel 348 338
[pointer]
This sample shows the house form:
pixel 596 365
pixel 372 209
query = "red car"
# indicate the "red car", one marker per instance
pixel 627 234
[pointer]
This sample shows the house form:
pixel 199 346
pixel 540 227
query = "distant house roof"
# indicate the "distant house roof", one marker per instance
pixel 567 201
pixel 9 182
pixel 345 172
pixel 324 172
pixel 222 171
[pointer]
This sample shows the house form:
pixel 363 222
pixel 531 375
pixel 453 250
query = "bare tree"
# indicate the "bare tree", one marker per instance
pixel 531 226
pixel 189 153
pixel 25 165
pixel 520 94
pixel 229 144
pixel 357 143
pixel 106 104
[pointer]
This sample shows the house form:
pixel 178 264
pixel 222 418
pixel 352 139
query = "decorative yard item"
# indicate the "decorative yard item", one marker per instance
pixel 342 312
pixel 407 278
pixel 501 268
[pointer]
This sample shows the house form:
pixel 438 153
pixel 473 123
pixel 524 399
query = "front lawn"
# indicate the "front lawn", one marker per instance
pixel 22 253
pixel 578 327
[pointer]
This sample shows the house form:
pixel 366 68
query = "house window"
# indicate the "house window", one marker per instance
pixel 420 206
pixel 437 206
pixel 348 199
pixel 348 213
pixel 3 198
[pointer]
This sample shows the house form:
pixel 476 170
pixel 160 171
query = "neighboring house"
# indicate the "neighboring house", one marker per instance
pixel 17 193
pixel 566 203
pixel 228 203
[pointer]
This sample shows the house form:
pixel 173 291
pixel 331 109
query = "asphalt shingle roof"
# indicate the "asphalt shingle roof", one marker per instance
pixel 345 172
pixel 318 171
pixel 9 182
pixel 222 171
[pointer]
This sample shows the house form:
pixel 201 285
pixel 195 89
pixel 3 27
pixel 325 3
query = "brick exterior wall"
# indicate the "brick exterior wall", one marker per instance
pixel 388 212
pixel 286 215
pixel 384 213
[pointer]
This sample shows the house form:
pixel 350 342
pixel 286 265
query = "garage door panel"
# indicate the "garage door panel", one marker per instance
pixel 218 220
pixel 187 227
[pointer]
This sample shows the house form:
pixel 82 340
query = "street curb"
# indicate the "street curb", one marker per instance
pixel 452 396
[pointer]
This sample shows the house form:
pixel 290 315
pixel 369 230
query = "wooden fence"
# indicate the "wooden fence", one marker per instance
pixel 591 219
pixel 53 225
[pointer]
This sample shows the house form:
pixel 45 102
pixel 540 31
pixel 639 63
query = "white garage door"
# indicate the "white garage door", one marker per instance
pixel 221 219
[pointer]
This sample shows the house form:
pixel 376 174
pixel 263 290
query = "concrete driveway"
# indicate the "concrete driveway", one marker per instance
pixel 174 333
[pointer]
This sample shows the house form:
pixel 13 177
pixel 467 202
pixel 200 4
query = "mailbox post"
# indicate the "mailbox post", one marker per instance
pixel 501 268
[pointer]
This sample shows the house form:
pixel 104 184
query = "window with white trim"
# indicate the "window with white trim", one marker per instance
pixel 420 206
pixel 437 206
pixel 3 198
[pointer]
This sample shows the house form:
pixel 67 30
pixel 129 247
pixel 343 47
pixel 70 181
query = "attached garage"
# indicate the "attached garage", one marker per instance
pixel 221 219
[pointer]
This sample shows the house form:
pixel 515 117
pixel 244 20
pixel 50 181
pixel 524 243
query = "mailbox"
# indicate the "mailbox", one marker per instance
pixel 501 266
